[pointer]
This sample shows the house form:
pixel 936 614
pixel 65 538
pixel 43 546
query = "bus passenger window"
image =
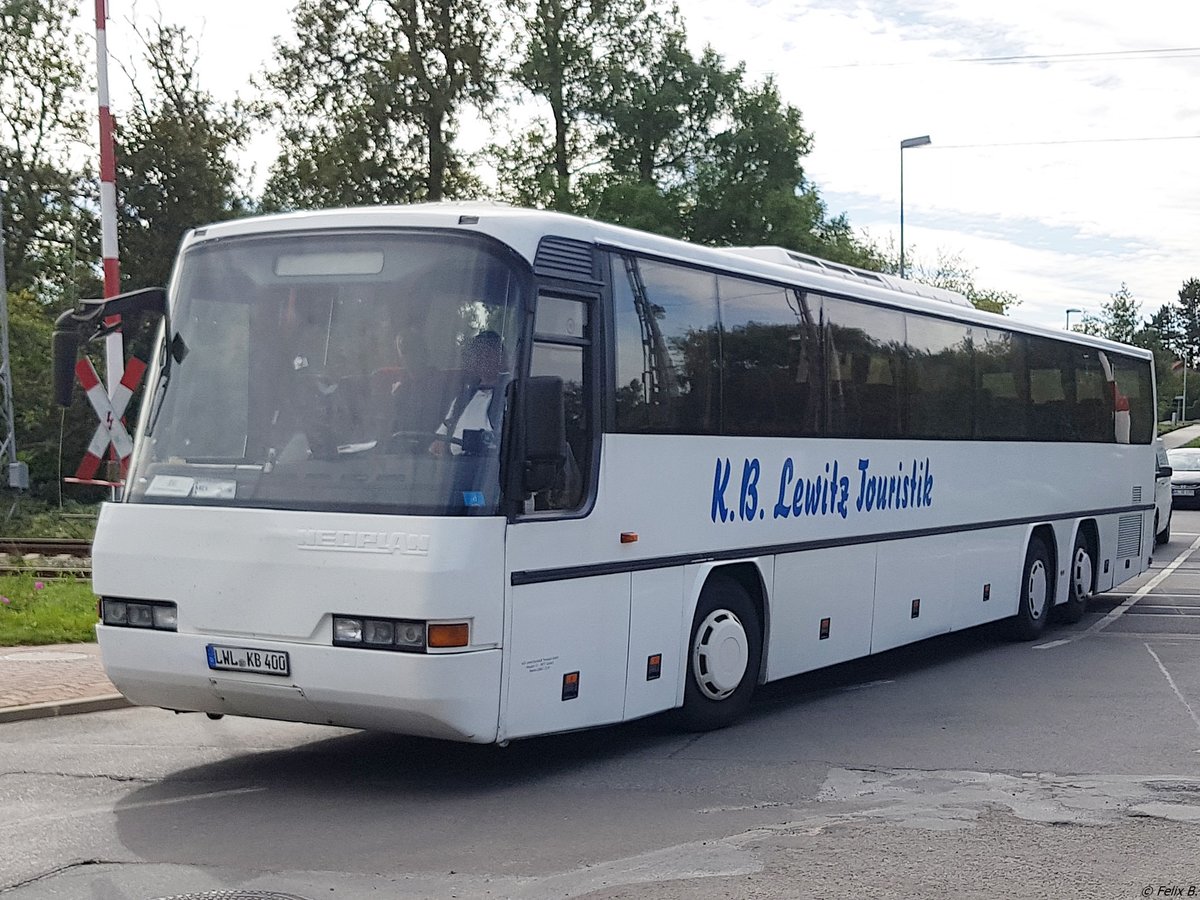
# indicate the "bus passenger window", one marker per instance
pixel 865 347
pixel 668 356
pixel 770 369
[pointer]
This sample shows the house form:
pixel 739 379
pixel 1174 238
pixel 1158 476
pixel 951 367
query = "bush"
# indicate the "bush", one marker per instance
pixel 28 517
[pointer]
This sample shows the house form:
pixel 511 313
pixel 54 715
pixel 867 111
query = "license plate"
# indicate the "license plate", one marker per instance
pixel 1183 491
pixel 248 659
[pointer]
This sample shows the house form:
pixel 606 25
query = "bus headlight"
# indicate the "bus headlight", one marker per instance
pixel 140 615
pixel 347 631
pixel 156 614
pixel 410 635
pixel 166 618
pixel 413 636
pixel 114 612
pixel 378 632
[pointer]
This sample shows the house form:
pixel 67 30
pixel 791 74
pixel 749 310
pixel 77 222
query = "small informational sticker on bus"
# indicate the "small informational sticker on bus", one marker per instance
pixel 248 659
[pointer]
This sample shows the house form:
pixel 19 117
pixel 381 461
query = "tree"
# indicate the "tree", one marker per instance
pixel 51 233
pixel 175 169
pixel 1185 319
pixel 752 188
pixel 953 273
pixel 556 53
pixel 696 150
pixel 1178 327
pixel 644 133
pixel 369 98
pixel 46 229
pixel 1119 320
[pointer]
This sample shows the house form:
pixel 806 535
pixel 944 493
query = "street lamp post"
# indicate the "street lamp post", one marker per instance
pixel 1183 403
pixel 1073 309
pixel 922 141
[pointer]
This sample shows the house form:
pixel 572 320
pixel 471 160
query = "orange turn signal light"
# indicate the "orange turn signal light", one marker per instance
pixel 629 537
pixel 457 635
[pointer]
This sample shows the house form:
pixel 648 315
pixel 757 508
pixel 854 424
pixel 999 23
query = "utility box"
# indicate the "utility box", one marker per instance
pixel 18 476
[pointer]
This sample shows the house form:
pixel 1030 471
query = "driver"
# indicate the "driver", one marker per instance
pixel 479 405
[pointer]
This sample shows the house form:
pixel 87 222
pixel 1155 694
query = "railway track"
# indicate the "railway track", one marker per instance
pixel 77 547
pixel 46 557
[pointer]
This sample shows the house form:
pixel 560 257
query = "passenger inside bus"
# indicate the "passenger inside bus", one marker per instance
pixel 403 394
pixel 472 422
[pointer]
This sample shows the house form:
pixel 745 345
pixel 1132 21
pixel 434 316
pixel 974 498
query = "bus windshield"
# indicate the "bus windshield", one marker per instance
pixel 350 371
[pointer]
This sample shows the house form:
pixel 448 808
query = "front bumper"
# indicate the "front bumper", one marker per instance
pixel 455 696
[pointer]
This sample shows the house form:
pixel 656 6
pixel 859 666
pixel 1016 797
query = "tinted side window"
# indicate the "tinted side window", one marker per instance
pixel 668 359
pixel 940 378
pixel 1001 386
pixel 864 353
pixel 1091 418
pixel 771 360
pixel 1051 390
pixel 1135 389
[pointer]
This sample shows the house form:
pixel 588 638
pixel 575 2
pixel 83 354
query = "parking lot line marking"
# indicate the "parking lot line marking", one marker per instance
pixel 1174 687
pixel 1050 645
pixel 1140 592
pixel 1160 615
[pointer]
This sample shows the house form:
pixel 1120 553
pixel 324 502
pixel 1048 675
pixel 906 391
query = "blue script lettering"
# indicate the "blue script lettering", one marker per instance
pixel 782 509
pixel 812 496
pixel 825 494
pixel 720 483
pixel 749 499
pixel 899 491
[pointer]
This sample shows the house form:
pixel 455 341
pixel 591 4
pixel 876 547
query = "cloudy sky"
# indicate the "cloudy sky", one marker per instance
pixel 1065 133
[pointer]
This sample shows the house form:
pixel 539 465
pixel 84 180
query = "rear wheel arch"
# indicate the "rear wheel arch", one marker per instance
pixel 724 653
pixel 751 580
pixel 1090 532
pixel 1046 533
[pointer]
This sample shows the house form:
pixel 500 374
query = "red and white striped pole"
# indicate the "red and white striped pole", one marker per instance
pixel 114 353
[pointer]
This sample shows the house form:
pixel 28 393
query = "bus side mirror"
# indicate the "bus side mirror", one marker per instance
pixel 87 321
pixel 545 432
pixel 1165 471
pixel 65 346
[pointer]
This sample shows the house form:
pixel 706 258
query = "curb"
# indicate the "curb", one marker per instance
pixel 63 708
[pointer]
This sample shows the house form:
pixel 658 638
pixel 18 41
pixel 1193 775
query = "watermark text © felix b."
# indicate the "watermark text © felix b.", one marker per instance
pixel 1171 890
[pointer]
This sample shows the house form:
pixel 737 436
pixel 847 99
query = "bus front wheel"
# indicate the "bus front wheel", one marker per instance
pixel 724 654
pixel 1037 593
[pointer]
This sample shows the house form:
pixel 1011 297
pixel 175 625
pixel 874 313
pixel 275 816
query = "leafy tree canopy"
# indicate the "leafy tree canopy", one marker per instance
pixel 175 159
pixel 368 100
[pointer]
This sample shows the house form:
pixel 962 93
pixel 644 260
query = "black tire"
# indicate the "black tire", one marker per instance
pixel 711 699
pixel 1161 537
pixel 1081 581
pixel 1037 578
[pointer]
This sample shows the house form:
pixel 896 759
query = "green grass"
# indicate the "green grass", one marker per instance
pixel 61 611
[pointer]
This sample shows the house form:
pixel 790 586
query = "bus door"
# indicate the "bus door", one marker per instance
pixel 567 618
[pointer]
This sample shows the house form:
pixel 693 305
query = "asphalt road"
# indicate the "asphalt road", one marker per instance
pixel 966 766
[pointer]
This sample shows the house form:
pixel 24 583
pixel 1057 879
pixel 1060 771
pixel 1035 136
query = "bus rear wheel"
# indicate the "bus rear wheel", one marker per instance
pixel 1161 537
pixel 1037 593
pixel 1083 577
pixel 724 654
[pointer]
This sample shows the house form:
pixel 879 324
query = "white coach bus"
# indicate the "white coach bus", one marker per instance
pixel 481 473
